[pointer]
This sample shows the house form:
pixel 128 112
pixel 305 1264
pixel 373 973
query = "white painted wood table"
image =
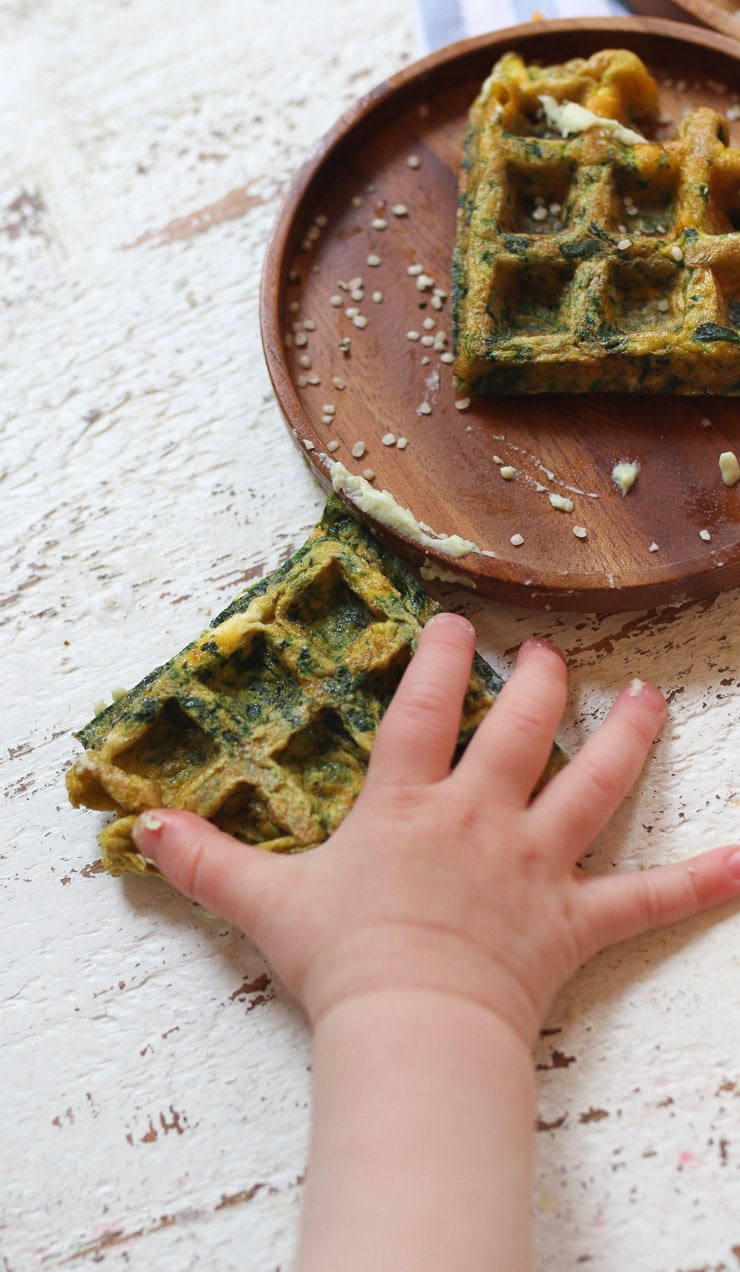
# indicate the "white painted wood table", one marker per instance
pixel 155 1088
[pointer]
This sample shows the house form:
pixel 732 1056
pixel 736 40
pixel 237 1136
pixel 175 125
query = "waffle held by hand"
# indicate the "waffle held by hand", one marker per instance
pixel 588 258
pixel 264 724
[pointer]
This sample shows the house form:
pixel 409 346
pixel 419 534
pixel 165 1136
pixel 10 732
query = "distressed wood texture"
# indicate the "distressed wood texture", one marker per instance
pixel 155 1093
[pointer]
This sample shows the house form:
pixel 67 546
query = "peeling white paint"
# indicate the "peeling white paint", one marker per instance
pixel 155 1094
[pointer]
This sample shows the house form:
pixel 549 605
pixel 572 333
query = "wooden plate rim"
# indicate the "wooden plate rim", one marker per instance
pixel 275 268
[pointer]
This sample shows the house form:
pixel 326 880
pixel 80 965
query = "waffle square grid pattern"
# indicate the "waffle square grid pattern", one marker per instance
pixel 265 724
pixel 599 260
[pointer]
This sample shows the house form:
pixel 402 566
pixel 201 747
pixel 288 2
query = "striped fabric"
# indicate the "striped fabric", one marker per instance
pixel 444 21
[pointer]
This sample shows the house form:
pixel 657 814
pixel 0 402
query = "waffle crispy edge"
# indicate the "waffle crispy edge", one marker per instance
pixel 562 304
pixel 265 723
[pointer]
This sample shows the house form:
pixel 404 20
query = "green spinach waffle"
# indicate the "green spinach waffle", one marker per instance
pixel 587 257
pixel 265 723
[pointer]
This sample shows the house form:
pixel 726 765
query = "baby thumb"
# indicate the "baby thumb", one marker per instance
pixel 227 877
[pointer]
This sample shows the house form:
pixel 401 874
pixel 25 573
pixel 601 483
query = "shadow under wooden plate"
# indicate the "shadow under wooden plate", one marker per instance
pixel 338 216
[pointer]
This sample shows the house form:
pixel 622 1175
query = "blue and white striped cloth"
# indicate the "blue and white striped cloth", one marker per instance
pixel 445 21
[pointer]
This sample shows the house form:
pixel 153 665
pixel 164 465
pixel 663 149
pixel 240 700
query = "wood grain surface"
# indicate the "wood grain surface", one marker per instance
pixel 568 444
pixel 156 1091
pixel 722 15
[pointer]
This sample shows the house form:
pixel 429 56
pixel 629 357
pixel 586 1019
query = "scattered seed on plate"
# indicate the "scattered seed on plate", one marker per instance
pixel 332 445
pixel 497 459
pixel 321 220
pixel 705 535
pixel 327 419
pixel 374 260
pixel 360 320
pixel 377 298
pixel 378 223
pixel 447 357
pixel 356 201
pixel 436 302
pixel 414 270
pixel 336 301
pixel 388 439
pixel 344 345
pixel 507 472
pixel 676 252
pixel 301 381
pixel 653 547
pixel 309 324
pixel 368 474
pixel 462 404
pixel 706 422
pixel 664 306
pixel 308 444
pixel 402 443
pixel 413 335
pixel 429 324
pixel 313 379
pixel 329 408
pixel 305 361
pixel 294 306
pixel 427 341
pixel 413 161
pixel 623 244
pixel 426 360
pixel 424 409
pixel 517 540
pixel 300 339
pixel 424 282
pixel 337 382
pixel 399 209
pixel 580 532
pixel 358 450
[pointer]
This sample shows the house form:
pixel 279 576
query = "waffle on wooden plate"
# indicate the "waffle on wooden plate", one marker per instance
pixel 587 257
pixel 265 723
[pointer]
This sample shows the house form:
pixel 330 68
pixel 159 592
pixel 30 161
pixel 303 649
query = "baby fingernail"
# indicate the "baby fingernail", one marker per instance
pixel 648 693
pixel 733 865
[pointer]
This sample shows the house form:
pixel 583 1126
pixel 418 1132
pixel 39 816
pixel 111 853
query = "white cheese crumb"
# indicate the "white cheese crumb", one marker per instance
pixel 562 503
pixel 507 472
pixel 653 547
pixel 705 535
pixel 624 474
pixel 517 540
pixel 308 444
pixel 729 468
pixel 570 117
pixel 381 505
pixel 623 244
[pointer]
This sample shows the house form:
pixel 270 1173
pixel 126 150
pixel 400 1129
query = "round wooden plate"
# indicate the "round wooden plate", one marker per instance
pixel 722 15
pixel 399 147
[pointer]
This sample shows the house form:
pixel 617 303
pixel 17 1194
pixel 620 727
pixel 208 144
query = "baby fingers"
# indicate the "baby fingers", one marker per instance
pixel 576 805
pixel 230 878
pixel 416 739
pixel 510 749
pixel 619 906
